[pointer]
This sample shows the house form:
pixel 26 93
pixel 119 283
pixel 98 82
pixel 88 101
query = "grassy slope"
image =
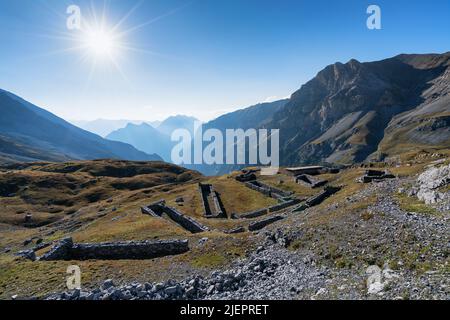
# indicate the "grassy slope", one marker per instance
pixel 117 217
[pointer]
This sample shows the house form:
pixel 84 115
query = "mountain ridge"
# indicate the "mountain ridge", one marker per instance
pixel 357 102
pixel 37 129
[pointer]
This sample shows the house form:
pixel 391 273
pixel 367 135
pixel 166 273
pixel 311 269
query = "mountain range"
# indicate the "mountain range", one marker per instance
pixel 29 133
pixel 357 111
pixel 153 140
pixel 348 113
pixel 103 127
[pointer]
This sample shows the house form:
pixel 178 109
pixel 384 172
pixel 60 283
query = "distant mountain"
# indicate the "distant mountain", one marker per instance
pixel 177 122
pixel 29 133
pixel 359 111
pixel 356 112
pixel 257 116
pixel 144 137
pixel 103 127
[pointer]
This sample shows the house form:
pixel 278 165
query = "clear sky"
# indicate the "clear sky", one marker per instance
pixel 197 57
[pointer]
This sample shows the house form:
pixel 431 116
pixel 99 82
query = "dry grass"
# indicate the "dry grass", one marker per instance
pixel 115 215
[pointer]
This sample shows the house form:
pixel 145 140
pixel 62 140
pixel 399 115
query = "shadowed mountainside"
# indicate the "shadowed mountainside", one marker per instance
pixel 29 133
pixel 348 110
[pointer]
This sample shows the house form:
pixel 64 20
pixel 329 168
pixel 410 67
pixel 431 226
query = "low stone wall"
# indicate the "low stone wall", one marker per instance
pixel 264 211
pixel 205 190
pixel 186 222
pixel 317 199
pixel 254 214
pixel 129 250
pixel 150 212
pixel 235 230
pixel 284 205
pixel 59 251
pixel 376 175
pixel 158 208
pixel 258 225
pixel 267 190
pixel 310 181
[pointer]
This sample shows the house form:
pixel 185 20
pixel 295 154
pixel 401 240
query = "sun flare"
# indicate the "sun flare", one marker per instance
pixel 100 43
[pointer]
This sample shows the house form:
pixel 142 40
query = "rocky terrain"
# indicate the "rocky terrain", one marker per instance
pixel 381 250
pixel 429 184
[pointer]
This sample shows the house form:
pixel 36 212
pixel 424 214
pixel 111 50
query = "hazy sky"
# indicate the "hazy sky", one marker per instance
pixel 200 57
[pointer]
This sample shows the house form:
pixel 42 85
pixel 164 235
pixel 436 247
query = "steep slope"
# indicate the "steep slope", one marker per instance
pixel 144 137
pixel 341 115
pixel 428 125
pixel 37 134
pixel 256 116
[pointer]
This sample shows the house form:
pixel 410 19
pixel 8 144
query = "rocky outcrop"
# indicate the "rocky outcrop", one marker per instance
pixel 429 183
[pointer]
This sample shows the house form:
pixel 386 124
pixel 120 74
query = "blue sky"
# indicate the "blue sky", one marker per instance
pixel 199 57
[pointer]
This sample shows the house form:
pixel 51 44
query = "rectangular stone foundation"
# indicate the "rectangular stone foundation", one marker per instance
pixel 129 250
pixel 212 204
pixel 158 208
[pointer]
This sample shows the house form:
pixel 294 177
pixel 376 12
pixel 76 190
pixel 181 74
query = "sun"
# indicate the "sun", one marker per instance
pixel 100 43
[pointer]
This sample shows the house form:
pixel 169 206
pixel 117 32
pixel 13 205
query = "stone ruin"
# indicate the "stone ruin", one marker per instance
pixel 159 208
pixel 269 191
pixel 311 170
pixel 258 225
pixel 128 250
pixel 235 230
pixel 246 176
pixel 310 181
pixel 275 208
pixel 318 198
pixel 375 175
pixel 212 204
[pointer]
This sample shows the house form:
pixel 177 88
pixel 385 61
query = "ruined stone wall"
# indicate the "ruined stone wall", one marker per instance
pixel 268 190
pixel 129 250
pixel 284 205
pixel 254 214
pixel 158 208
pixel 205 190
pixel 317 199
pixel 186 222
pixel 258 225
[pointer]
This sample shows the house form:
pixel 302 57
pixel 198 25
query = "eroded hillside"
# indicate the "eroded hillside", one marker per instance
pixel 329 241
